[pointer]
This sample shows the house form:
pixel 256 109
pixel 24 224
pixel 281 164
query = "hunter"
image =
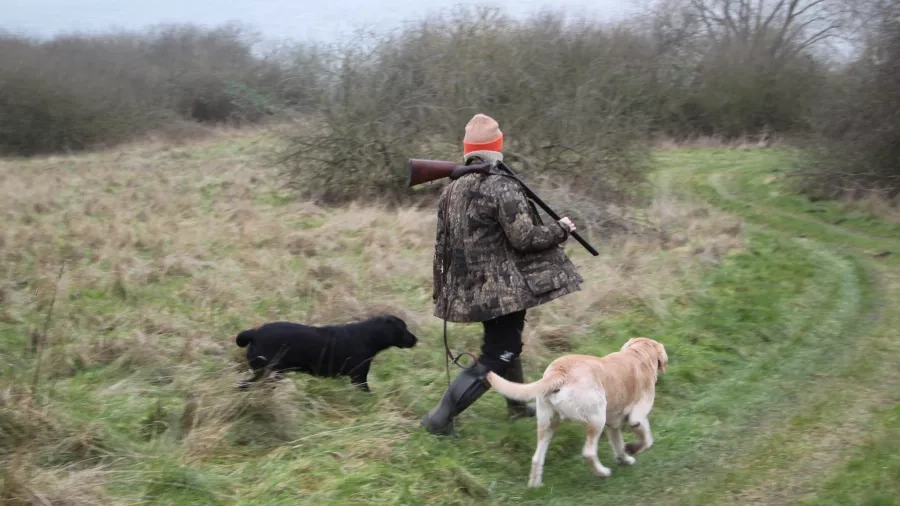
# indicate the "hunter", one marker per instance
pixel 494 259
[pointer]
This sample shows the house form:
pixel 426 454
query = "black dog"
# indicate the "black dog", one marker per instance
pixel 329 351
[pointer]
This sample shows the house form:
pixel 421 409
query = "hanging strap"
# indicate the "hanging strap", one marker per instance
pixel 445 261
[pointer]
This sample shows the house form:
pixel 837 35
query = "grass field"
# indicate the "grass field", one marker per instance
pixel 126 274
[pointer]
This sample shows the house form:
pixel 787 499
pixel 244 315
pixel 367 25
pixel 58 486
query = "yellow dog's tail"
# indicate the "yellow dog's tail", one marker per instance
pixel 526 391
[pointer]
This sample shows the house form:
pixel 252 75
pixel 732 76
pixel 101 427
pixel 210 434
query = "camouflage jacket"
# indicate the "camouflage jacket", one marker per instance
pixel 493 254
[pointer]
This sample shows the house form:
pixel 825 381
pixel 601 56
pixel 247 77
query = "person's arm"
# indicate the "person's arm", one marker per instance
pixel 522 232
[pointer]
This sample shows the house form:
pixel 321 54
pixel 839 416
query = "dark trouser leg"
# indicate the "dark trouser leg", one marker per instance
pixel 502 346
pixel 501 349
pixel 517 409
pixel 502 342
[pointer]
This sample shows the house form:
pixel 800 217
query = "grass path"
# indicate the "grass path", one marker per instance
pixel 783 384
pixel 848 407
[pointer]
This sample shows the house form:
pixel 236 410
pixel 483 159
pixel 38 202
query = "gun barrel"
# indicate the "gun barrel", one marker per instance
pixel 424 171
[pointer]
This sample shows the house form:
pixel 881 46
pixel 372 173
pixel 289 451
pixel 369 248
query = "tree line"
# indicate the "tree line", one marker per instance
pixel 575 97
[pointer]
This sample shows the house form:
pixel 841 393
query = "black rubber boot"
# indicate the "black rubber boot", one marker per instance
pixel 517 409
pixel 466 388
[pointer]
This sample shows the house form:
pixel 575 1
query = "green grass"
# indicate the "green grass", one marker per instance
pixel 736 182
pixel 840 424
pixel 769 183
pixel 782 384
pixel 869 476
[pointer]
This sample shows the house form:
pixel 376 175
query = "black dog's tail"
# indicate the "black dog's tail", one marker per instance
pixel 246 337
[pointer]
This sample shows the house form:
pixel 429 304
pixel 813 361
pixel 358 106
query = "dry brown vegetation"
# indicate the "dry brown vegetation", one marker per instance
pixel 878 205
pixel 856 154
pixel 170 249
pixel 577 98
pixel 89 91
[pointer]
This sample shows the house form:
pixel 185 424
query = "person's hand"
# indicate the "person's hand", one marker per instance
pixel 566 222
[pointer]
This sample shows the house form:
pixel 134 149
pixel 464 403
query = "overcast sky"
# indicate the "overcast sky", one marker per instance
pixel 323 20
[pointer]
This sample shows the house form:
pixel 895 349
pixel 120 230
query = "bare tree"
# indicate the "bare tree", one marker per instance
pixel 869 20
pixel 858 148
pixel 771 31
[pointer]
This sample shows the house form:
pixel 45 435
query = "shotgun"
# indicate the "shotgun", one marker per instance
pixel 424 171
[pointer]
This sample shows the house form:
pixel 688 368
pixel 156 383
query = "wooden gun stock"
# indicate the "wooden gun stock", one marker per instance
pixel 425 171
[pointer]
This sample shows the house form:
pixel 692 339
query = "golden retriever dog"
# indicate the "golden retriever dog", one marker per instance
pixel 598 392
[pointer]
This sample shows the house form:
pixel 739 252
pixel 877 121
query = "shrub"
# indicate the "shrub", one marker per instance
pixel 566 96
pixel 59 100
pixel 857 149
pixel 76 91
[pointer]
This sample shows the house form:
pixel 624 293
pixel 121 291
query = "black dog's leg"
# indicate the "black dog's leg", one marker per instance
pixel 258 364
pixel 274 377
pixel 257 375
pixel 262 370
pixel 359 377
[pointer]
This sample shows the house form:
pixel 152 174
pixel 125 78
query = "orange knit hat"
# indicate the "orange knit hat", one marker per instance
pixel 482 134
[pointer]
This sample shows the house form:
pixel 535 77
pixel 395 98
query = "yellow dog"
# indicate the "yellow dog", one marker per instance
pixel 597 391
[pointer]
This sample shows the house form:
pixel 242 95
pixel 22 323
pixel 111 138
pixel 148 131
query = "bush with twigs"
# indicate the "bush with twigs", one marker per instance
pixel 77 92
pixel 577 100
pixel 857 150
pixel 567 98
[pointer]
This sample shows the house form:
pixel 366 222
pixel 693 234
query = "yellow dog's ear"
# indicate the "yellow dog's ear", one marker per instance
pixel 627 344
pixel 662 357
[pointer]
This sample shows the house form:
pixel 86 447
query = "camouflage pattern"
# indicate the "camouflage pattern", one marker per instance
pixel 493 254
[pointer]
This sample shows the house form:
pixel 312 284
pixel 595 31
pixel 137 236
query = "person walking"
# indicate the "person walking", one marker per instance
pixel 494 259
